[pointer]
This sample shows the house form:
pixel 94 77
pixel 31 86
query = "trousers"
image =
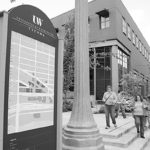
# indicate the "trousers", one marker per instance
pixel 122 108
pixel 139 123
pixel 110 112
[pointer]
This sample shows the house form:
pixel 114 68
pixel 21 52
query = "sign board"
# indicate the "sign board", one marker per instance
pixel 30 85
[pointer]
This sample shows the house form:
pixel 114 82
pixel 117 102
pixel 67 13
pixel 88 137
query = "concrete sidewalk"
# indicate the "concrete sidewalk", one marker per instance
pixel 101 121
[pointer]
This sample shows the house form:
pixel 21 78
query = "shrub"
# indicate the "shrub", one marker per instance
pixel 67 105
pixel 99 109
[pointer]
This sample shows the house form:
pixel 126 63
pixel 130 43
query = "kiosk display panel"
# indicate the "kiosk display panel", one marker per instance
pixel 31 84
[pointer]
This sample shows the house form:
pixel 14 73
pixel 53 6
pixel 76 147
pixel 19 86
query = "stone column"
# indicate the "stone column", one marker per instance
pixel 114 66
pixel 81 133
pixel 61 35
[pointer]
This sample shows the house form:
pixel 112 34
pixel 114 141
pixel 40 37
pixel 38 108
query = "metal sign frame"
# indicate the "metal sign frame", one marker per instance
pixel 31 22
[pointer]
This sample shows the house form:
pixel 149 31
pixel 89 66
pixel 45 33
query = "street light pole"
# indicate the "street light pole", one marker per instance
pixel 95 76
pixel 81 133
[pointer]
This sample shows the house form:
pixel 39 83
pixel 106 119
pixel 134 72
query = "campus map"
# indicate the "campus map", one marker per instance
pixel 31 84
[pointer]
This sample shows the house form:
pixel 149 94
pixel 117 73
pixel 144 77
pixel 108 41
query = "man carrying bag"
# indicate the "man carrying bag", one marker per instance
pixel 110 99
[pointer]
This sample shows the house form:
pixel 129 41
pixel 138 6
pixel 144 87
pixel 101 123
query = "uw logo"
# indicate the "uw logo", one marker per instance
pixel 38 21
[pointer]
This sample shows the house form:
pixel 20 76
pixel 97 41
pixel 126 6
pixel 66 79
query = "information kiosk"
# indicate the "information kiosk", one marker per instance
pixel 30 90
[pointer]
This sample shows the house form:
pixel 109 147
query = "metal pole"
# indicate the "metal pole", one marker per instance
pixel 60 88
pixel 95 75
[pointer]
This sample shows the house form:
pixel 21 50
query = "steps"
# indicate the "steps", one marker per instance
pixel 125 138
pixel 119 131
pixel 124 141
pixel 147 147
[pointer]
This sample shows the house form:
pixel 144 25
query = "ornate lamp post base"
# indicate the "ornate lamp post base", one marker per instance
pixel 82 139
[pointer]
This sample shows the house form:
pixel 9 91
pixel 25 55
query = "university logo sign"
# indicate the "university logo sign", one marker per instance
pixel 37 20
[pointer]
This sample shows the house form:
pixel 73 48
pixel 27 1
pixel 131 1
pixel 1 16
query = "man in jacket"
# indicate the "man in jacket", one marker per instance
pixel 110 99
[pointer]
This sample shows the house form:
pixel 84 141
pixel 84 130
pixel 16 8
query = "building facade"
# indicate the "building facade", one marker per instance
pixel 116 43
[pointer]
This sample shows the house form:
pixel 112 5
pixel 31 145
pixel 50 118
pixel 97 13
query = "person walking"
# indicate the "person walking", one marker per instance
pixel 110 99
pixel 139 113
pixel 148 112
pixel 120 105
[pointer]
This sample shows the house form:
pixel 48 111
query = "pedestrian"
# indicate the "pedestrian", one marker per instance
pixel 110 99
pixel 121 103
pixel 148 112
pixel 139 113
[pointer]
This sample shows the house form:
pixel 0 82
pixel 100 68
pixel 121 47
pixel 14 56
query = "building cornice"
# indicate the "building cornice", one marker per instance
pixel 109 43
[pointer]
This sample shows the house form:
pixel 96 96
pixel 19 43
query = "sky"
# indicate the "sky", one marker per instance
pixel 138 9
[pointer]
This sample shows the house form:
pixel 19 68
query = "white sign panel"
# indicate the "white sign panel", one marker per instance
pixel 31 84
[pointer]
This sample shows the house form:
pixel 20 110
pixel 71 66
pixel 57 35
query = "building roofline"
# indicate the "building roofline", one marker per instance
pixel 70 10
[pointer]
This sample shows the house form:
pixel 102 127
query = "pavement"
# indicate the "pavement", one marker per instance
pixel 101 123
pixel 124 137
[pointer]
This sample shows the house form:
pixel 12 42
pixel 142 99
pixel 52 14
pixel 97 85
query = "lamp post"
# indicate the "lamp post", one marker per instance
pixel 81 133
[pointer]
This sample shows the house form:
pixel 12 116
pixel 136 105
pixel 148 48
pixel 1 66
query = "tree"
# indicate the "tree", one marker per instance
pixel 69 55
pixel 131 83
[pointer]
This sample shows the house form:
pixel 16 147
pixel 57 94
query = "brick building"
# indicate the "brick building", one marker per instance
pixel 116 41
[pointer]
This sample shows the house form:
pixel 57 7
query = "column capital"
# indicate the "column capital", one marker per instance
pixel 61 33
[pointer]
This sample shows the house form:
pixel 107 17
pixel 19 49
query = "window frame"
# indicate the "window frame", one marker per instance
pixel 137 41
pixel 133 37
pixel 124 26
pixel 129 31
pixel 140 46
pixel 146 54
pixel 105 23
pixel 143 51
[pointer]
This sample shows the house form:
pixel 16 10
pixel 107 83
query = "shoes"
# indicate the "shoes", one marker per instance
pixel 107 127
pixel 143 137
pixel 115 125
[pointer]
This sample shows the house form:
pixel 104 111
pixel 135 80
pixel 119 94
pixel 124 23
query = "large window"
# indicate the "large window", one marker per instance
pixel 104 22
pixel 123 61
pixel 124 26
pixel 103 71
pixel 104 19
